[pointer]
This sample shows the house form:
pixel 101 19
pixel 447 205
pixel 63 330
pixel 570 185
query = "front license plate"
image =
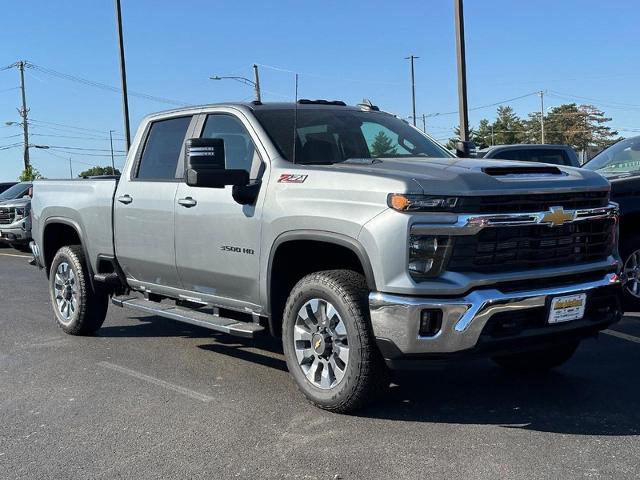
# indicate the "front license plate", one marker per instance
pixel 567 308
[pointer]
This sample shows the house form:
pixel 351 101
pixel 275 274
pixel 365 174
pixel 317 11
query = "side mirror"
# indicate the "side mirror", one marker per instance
pixel 205 165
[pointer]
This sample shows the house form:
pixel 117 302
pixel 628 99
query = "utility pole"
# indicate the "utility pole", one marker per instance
pixel 70 168
pixel 541 93
pixel 493 142
pixel 123 76
pixel 462 78
pixel 23 113
pixel 424 123
pixel 113 165
pixel 256 81
pixel 413 87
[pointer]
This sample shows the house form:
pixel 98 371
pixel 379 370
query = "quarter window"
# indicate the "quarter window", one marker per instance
pixel 162 149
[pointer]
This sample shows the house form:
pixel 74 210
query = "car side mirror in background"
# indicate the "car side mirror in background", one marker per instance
pixel 205 165
pixel 465 149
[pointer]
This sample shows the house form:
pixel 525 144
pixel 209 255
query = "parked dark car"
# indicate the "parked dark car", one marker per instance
pixel 620 163
pixel 554 154
pixel 6 185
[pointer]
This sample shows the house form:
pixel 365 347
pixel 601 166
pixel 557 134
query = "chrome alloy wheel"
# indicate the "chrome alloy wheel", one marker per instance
pixel 320 343
pixel 632 272
pixel 66 292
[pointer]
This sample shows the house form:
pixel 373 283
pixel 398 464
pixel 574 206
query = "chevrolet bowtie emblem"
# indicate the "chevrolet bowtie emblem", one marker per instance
pixel 557 216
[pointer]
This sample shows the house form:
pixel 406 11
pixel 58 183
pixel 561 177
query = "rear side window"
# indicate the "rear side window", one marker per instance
pixel 539 155
pixel 162 149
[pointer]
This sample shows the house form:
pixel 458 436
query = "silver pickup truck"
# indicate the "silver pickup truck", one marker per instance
pixel 344 230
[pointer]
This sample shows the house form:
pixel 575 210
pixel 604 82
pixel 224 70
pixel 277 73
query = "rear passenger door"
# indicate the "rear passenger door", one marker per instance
pixel 144 207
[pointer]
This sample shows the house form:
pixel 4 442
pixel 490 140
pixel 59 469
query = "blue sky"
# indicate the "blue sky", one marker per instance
pixel 346 50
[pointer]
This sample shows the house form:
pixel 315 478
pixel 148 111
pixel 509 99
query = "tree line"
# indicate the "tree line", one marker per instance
pixel 583 127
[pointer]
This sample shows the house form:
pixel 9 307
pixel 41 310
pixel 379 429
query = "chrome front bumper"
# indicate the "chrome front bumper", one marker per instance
pixel 396 318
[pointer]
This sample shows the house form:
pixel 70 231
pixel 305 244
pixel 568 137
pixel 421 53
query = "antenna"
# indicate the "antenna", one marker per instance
pixel 295 122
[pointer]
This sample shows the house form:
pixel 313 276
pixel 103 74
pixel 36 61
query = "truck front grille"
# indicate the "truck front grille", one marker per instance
pixel 7 216
pixel 532 202
pixel 503 249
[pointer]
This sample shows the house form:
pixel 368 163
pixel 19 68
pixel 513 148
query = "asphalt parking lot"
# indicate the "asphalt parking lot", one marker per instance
pixel 152 398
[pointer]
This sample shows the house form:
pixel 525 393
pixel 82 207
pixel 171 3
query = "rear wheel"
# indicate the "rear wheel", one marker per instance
pixel 537 360
pixel 79 309
pixel 328 341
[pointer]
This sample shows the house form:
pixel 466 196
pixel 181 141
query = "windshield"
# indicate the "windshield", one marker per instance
pixel 332 135
pixel 623 157
pixel 19 190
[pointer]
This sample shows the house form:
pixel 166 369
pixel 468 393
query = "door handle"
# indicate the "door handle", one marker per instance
pixel 187 202
pixel 126 199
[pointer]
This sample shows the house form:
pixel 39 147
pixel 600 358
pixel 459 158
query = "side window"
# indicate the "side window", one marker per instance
pixel 239 150
pixel 162 149
pixel 556 157
pixel 520 155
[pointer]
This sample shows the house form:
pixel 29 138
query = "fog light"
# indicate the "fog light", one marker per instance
pixel 421 266
pixel 430 322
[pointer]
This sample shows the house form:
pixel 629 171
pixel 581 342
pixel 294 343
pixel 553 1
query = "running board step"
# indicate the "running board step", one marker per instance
pixel 193 317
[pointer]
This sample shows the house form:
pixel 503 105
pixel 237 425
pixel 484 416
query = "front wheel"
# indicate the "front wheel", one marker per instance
pixel 630 253
pixel 538 360
pixel 328 342
pixel 79 309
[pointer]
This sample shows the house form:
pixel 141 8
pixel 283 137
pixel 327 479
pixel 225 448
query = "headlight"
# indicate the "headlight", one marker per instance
pixel 428 255
pixel 19 213
pixel 404 202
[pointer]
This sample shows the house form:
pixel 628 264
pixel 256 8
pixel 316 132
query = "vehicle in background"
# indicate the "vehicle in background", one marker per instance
pixel 344 230
pixel 553 154
pixel 620 164
pixel 15 224
pixel 17 190
pixel 5 185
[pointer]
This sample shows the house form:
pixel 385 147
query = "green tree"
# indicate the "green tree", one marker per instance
pixel 30 173
pixel 382 145
pixel 483 135
pixel 453 141
pixel 96 171
pixel 508 127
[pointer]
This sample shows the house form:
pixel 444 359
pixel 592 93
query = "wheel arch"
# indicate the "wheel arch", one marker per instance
pixel 59 232
pixel 344 251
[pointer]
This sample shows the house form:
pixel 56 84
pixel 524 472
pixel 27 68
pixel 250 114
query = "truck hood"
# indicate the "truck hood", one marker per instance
pixel 477 176
pixel 18 202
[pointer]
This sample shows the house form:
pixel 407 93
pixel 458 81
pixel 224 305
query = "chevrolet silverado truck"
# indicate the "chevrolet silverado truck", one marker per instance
pixel 343 229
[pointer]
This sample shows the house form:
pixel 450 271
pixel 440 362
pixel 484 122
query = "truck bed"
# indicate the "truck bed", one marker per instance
pixel 85 203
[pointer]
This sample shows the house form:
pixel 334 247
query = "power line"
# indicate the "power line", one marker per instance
pixel 480 107
pixel 103 86
pixel 68 126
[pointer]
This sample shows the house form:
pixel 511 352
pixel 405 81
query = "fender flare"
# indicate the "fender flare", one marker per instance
pixel 326 237
pixel 76 226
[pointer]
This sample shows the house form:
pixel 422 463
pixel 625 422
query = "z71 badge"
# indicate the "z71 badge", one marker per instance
pixel 291 178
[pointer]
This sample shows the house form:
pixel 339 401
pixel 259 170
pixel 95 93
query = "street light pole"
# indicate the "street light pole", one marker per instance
pixel 113 165
pixel 462 76
pixel 123 76
pixel 541 93
pixel 256 82
pixel 70 169
pixel 413 86
pixel 23 113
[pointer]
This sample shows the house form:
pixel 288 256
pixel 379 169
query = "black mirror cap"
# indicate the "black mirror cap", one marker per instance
pixel 215 178
pixel 205 153
pixel 465 149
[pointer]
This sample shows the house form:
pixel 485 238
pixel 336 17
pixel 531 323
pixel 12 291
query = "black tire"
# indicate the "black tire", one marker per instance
pixel 629 247
pixel 537 361
pixel 365 374
pixel 90 305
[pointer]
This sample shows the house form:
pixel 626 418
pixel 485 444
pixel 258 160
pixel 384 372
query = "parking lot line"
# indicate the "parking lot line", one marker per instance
pixel 156 381
pixel 624 336
pixel 15 255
